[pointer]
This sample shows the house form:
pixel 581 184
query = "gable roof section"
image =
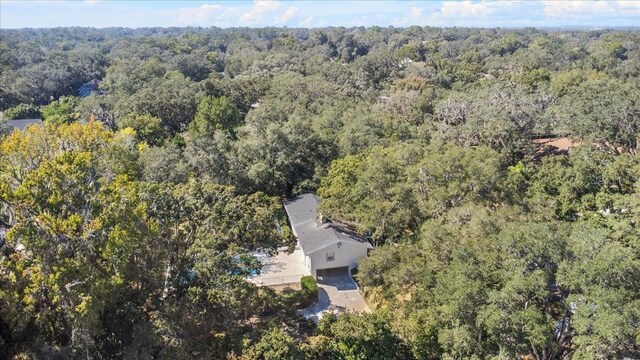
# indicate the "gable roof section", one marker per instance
pixel 303 214
pixel 22 124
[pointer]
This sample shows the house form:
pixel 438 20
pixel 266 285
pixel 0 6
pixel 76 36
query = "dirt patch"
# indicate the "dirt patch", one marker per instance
pixel 554 146
pixel 561 144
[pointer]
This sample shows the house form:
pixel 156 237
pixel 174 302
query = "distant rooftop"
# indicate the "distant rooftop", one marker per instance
pixel 3 233
pixel 313 235
pixel 22 124
pixel 89 87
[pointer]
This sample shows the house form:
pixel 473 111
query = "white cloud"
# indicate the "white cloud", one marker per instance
pixel 361 21
pixel 578 9
pixel 452 13
pixel 259 9
pixel 464 8
pixel 308 22
pixel 197 16
pixel 480 13
pixel 380 16
pixel 415 12
pixel 288 14
pixel 413 17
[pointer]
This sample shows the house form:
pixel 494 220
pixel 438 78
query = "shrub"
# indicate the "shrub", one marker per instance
pixel 305 297
pixel 309 291
pixel 308 283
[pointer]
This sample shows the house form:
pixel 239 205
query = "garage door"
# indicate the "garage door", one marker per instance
pixel 333 272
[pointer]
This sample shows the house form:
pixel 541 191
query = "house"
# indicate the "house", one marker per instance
pixel 328 248
pixel 22 124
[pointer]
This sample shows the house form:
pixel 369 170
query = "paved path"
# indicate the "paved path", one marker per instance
pixel 336 294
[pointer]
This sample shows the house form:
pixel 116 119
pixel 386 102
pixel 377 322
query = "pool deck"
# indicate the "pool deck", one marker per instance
pixel 282 268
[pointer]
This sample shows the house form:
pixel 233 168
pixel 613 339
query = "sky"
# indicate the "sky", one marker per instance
pixel 259 13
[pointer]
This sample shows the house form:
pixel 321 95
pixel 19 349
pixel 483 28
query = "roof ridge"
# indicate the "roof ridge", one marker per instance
pixel 312 236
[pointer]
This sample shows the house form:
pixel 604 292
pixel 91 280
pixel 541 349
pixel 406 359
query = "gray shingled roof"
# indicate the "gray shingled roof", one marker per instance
pixel 22 124
pixel 92 86
pixel 313 236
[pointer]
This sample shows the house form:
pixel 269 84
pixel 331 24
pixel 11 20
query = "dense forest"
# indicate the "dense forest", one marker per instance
pixel 131 215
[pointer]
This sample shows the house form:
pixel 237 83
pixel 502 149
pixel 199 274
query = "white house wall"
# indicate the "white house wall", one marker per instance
pixel 307 264
pixel 347 255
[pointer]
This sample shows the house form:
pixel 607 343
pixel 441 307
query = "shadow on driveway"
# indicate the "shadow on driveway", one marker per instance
pixel 339 282
pixel 336 294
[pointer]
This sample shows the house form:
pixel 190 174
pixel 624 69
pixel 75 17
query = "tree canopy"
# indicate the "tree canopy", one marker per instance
pixel 130 218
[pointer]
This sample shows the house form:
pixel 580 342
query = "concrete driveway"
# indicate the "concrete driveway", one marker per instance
pixel 336 294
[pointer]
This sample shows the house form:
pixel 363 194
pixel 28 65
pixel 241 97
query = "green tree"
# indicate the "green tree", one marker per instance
pixel 372 191
pixel 163 164
pixel 22 111
pixel 148 128
pixel 106 264
pixel 535 78
pixel 366 336
pixel 61 111
pixel 521 313
pixel 603 307
pixel 280 158
pixel 214 114
pixel 566 82
pixel 212 158
pixel 5 128
pixel 409 51
pixel 604 112
pixel 274 345
pixel 172 97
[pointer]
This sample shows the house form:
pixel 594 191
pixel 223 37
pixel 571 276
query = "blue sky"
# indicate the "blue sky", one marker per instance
pixel 483 13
